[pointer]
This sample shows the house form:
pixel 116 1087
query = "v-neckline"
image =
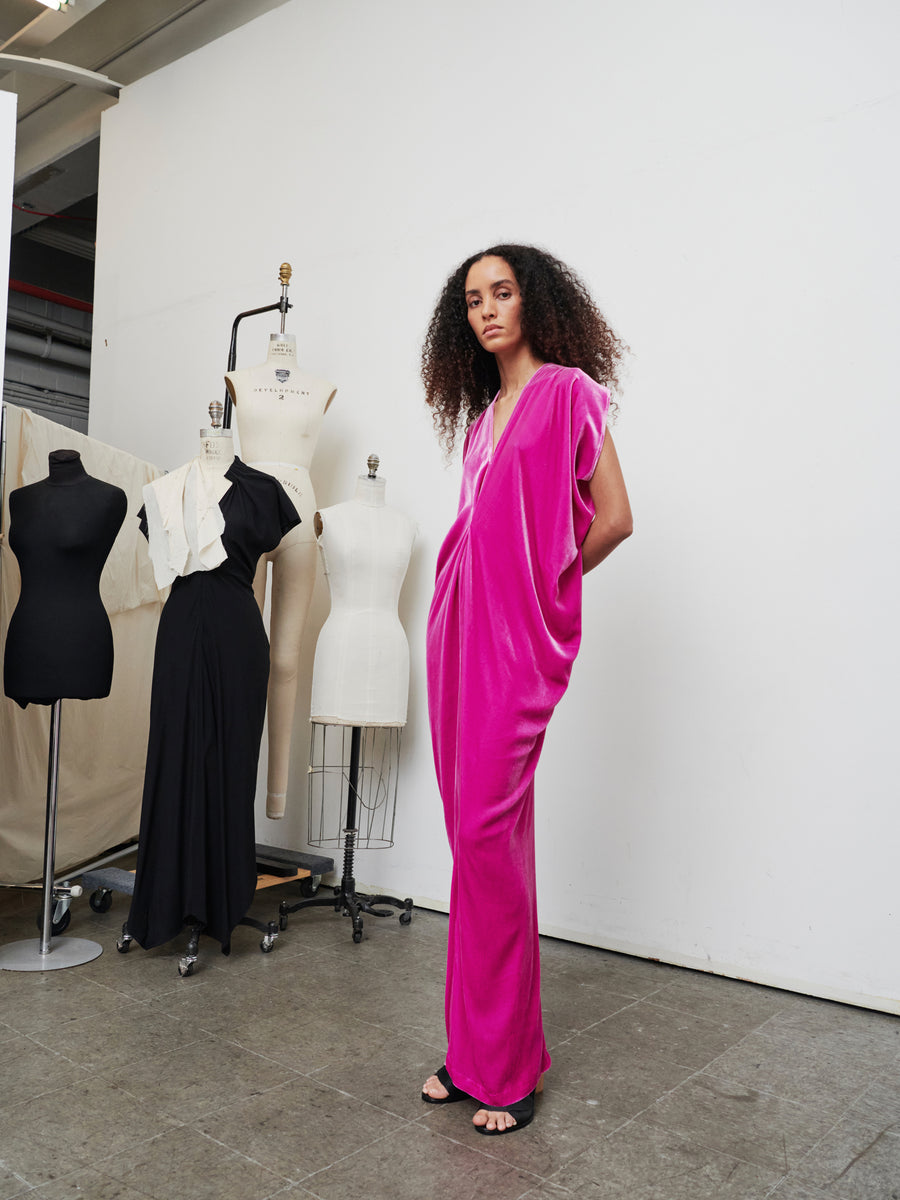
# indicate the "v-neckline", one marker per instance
pixel 495 443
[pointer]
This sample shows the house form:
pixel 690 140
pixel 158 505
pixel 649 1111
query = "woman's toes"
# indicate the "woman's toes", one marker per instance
pixel 434 1088
pixel 489 1119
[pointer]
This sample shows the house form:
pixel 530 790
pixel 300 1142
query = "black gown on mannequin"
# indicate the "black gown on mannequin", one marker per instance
pixel 196 855
pixel 59 643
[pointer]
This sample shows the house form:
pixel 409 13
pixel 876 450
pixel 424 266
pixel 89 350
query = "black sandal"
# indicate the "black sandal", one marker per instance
pixel 453 1092
pixel 522 1113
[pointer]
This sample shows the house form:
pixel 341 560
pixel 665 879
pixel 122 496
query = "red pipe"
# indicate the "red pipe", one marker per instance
pixel 30 289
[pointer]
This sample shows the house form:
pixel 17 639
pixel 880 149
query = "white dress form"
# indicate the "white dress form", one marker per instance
pixel 361 670
pixel 279 409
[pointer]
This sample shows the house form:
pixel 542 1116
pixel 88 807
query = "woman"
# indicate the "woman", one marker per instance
pixel 542 502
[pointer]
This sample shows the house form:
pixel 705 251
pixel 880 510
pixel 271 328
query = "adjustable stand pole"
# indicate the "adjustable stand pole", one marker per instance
pixel 43 954
pixel 348 897
pixel 50 828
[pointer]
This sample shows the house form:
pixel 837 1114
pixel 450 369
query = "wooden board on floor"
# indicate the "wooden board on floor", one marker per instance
pixel 266 881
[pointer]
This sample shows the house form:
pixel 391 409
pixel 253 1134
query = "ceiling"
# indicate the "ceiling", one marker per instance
pixel 58 122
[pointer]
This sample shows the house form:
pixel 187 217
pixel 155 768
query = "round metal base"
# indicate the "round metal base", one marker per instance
pixel 64 952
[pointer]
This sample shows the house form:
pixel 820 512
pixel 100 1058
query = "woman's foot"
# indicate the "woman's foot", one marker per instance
pixel 517 1116
pixel 496 1121
pixel 440 1089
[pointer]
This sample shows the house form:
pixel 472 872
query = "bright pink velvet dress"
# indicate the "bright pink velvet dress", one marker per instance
pixel 503 631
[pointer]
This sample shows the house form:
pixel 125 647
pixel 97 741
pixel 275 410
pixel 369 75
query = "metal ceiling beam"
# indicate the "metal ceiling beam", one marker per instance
pixel 59 72
pixel 46 27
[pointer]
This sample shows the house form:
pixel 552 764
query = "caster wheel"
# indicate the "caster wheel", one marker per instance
pixel 123 946
pixel 309 886
pixel 282 922
pixel 185 969
pixel 405 918
pixel 267 944
pixel 357 935
pixel 101 900
pixel 57 926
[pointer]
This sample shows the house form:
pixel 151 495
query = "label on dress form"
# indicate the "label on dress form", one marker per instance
pixel 291 487
pixel 217 451
pixel 288 475
pixel 281 390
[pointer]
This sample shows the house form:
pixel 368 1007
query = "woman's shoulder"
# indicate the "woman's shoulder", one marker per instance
pixel 574 375
pixel 574 381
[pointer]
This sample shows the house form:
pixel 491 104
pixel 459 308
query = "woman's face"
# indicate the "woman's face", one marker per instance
pixel 494 305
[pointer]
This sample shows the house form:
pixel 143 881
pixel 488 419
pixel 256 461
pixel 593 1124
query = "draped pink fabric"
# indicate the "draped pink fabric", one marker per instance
pixel 503 631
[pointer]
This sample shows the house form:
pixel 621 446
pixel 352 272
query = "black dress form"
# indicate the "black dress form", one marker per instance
pixel 197 845
pixel 59 643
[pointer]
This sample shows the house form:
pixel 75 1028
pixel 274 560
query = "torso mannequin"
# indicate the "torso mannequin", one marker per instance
pixel 279 409
pixel 361 671
pixel 59 643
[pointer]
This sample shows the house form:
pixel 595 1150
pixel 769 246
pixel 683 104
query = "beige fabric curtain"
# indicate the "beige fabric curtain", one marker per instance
pixel 103 743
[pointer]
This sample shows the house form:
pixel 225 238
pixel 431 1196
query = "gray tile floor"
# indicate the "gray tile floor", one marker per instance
pixel 297 1074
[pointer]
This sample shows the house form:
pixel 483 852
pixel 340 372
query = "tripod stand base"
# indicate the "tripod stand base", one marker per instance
pixel 64 952
pixel 345 899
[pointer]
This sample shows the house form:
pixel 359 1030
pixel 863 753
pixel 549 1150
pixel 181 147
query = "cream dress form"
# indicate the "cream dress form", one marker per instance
pixel 361 669
pixel 279 409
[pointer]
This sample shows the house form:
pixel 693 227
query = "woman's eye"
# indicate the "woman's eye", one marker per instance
pixel 473 304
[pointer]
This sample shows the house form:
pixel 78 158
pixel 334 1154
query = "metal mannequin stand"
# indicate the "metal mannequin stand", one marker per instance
pixel 370 800
pixel 48 953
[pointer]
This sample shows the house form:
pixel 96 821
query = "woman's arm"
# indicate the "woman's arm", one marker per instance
pixel 612 523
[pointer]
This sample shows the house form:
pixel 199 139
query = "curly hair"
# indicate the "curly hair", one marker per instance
pixel 560 322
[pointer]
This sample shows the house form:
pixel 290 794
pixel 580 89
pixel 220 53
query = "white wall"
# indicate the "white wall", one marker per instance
pixel 718 787
pixel 7 169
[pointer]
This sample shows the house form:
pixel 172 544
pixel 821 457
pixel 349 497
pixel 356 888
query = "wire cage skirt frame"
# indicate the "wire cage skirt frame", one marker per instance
pixel 352 803
pixel 374 782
